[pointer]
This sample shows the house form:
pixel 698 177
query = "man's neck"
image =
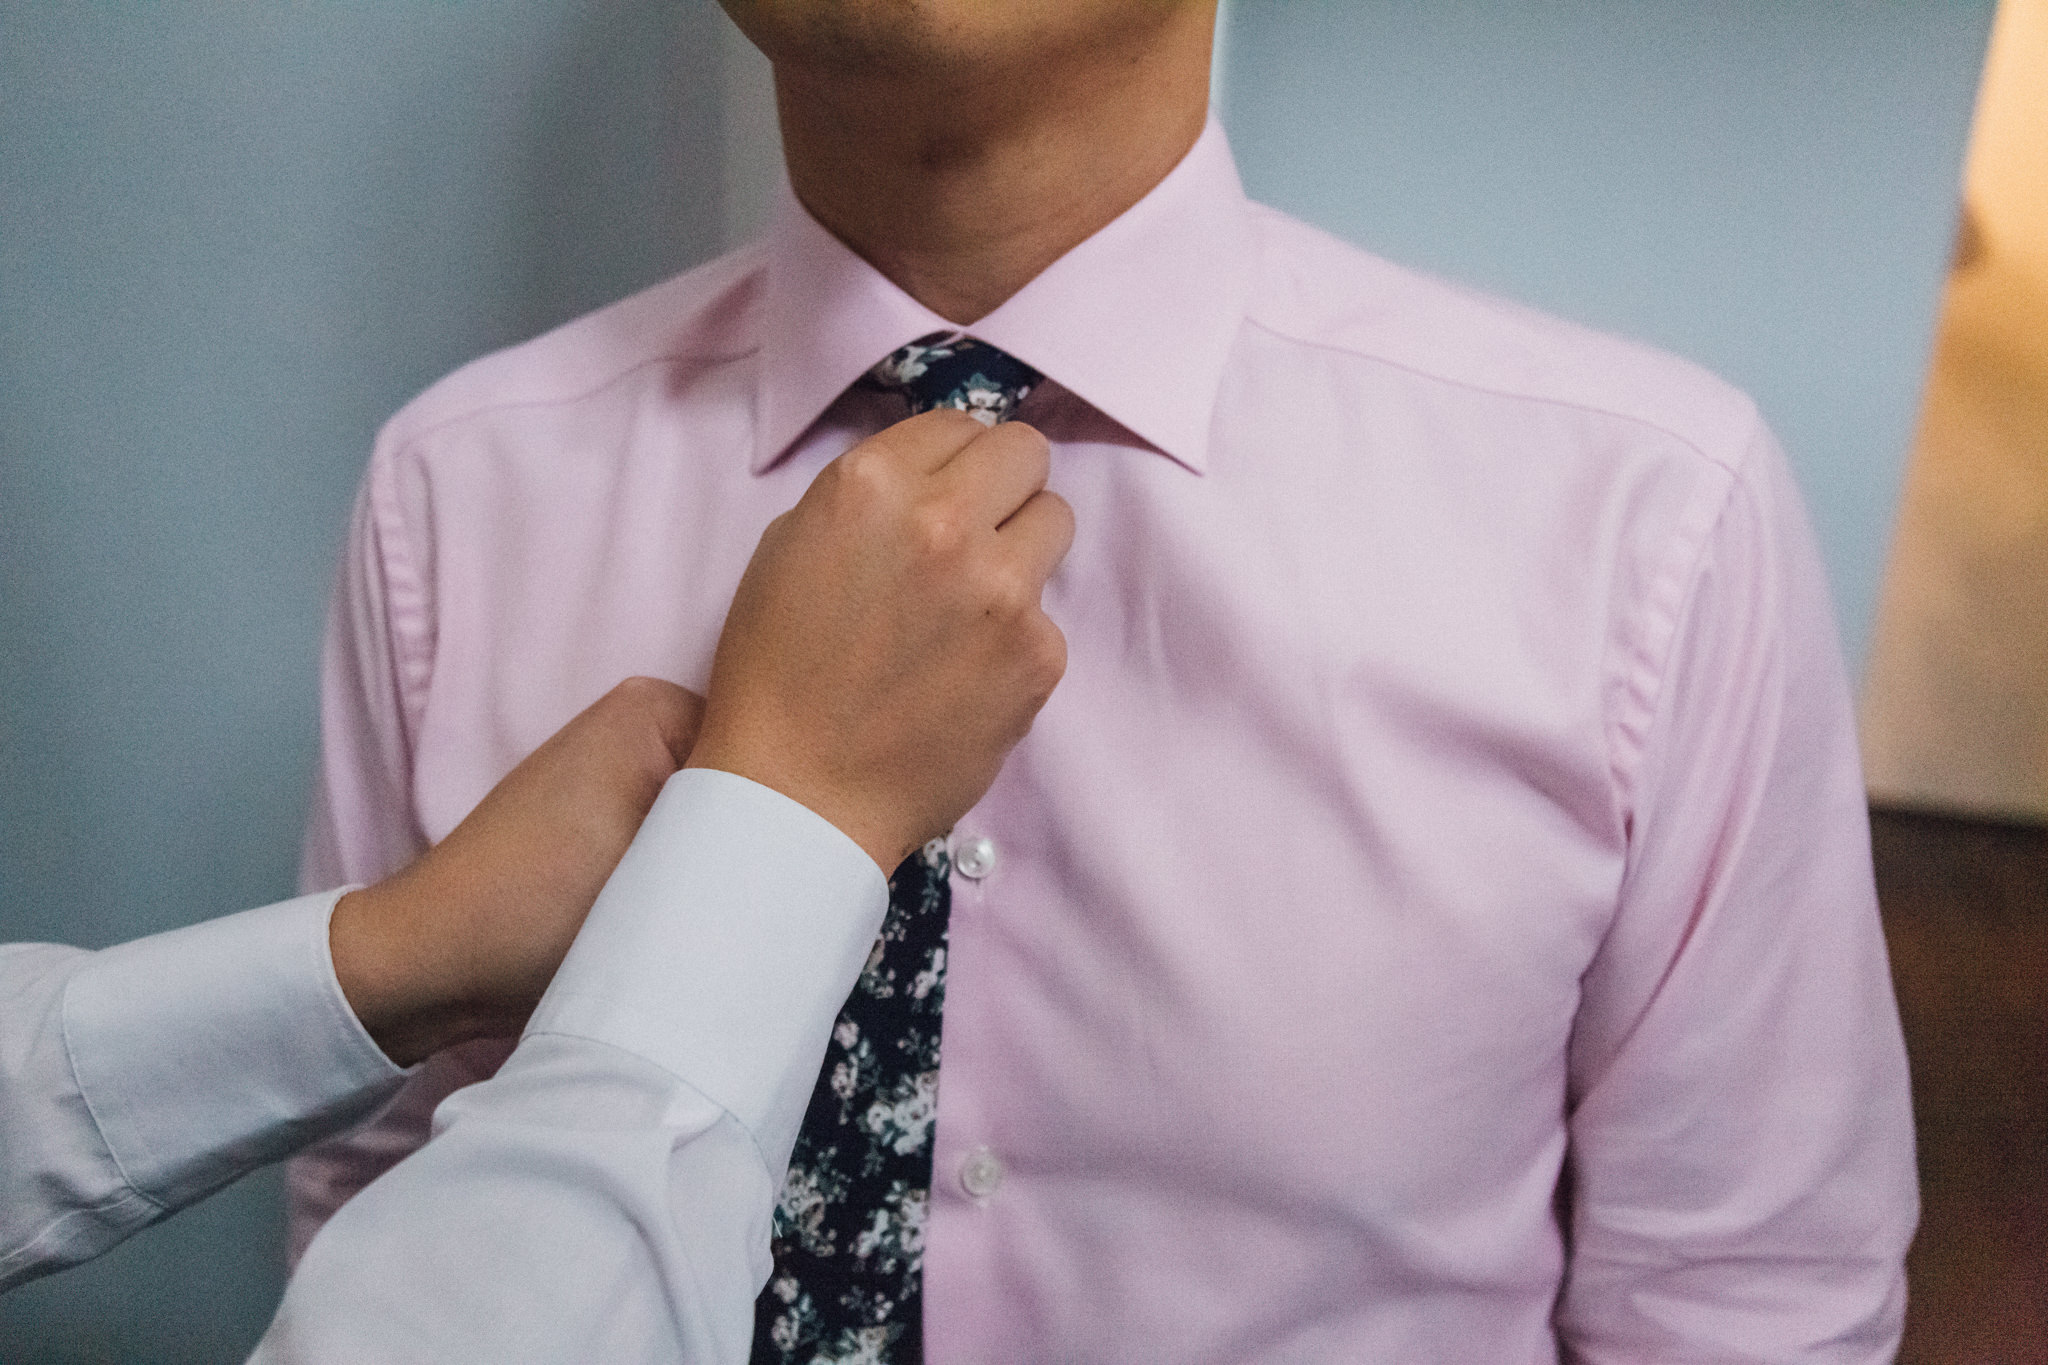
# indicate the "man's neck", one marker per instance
pixel 962 195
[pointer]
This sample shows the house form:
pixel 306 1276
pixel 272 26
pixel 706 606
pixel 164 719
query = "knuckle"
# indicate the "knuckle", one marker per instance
pixel 938 531
pixel 864 474
pixel 1007 593
pixel 1048 656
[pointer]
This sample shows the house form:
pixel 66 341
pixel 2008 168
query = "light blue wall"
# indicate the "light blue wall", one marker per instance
pixel 233 238
pixel 1765 186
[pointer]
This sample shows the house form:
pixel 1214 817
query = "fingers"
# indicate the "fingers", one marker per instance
pixel 926 443
pixel 995 474
pixel 966 475
pixel 1039 534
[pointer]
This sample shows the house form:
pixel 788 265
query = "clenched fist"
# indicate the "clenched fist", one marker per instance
pixel 886 647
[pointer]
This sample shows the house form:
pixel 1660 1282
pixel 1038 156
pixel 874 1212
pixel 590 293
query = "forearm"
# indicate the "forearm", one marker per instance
pixel 139 1079
pixel 582 1204
pixel 608 1193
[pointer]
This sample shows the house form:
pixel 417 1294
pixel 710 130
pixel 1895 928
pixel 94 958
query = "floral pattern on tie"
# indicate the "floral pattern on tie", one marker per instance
pixel 849 1226
pixel 950 370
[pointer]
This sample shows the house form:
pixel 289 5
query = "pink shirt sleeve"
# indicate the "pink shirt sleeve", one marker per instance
pixel 362 827
pixel 363 824
pixel 1742 1172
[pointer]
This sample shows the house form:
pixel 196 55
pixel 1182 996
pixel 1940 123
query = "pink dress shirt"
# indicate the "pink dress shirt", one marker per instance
pixel 1433 918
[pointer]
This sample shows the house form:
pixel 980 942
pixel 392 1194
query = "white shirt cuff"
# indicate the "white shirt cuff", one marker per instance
pixel 723 948
pixel 209 1050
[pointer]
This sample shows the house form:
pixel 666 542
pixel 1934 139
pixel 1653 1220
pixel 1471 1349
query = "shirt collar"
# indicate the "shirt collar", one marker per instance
pixel 1138 320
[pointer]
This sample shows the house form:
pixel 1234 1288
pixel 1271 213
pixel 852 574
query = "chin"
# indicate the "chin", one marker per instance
pixel 945 37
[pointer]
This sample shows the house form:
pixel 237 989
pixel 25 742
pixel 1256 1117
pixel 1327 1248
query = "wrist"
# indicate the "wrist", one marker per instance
pixel 408 1009
pixel 875 825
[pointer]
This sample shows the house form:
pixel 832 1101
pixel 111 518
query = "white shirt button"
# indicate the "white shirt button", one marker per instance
pixel 981 1174
pixel 975 857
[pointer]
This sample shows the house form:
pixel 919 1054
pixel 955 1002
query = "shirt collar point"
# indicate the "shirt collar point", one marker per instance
pixel 1189 451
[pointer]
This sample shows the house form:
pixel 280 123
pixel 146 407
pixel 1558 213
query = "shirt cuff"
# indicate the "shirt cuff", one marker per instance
pixel 211 1050
pixel 723 948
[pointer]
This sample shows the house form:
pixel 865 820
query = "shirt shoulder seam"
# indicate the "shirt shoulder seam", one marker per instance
pixel 405 440
pixel 1638 653
pixel 1493 390
pixel 1646 679
pixel 405 603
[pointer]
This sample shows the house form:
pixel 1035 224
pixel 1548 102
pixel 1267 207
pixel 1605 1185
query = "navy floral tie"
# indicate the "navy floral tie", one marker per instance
pixel 848 1284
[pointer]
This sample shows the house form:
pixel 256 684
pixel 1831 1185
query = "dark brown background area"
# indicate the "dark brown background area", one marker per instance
pixel 1966 912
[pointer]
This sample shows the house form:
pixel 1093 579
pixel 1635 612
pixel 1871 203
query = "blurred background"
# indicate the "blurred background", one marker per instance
pixel 234 238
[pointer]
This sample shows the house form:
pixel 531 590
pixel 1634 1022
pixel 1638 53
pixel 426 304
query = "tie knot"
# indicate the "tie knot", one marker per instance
pixel 952 370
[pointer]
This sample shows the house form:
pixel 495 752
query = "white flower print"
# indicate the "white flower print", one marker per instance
pixel 927 981
pixel 788 1331
pixel 894 1236
pixel 874 961
pixel 905 1122
pixel 911 1210
pixel 800 1213
pixel 854 1206
pixel 901 369
pixel 863 1346
pixel 902 366
pixel 874 1236
pixel 982 399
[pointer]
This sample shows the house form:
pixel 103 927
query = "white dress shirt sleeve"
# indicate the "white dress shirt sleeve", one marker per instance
pixel 607 1196
pixel 138 1079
